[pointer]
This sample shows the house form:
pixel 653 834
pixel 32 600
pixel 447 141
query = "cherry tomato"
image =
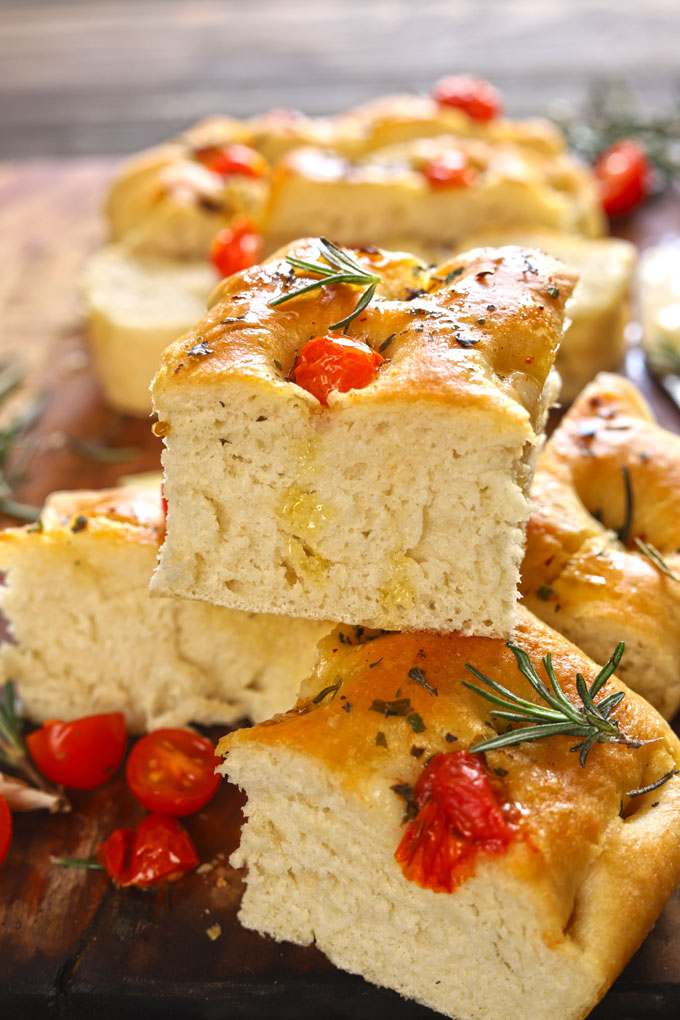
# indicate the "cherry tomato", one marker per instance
pixel 236 247
pixel 327 364
pixel 451 170
pixel 173 771
pixel 226 160
pixel 81 754
pixel 474 96
pixel 458 817
pixel 158 849
pixel 5 828
pixel 623 172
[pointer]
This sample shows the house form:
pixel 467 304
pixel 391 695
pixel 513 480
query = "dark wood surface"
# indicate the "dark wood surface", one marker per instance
pixel 109 76
pixel 71 945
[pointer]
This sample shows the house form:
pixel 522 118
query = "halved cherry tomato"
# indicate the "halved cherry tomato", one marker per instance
pixel 81 754
pixel 459 816
pixel 327 364
pixel 236 247
pixel 173 771
pixel 624 173
pixel 451 170
pixel 158 849
pixel 474 96
pixel 226 160
pixel 5 828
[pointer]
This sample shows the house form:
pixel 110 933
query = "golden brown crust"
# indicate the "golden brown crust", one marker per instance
pixel 125 513
pixel 569 813
pixel 483 327
pixel 579 495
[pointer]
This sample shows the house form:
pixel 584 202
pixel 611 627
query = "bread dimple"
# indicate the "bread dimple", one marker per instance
pixel 487 326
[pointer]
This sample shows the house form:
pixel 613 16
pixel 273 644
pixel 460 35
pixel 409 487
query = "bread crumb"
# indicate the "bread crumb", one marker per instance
pixel 214 932
pixel 203 869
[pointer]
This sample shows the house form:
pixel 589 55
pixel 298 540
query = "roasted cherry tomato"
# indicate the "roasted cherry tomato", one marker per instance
pixel 226 160
pixel 236 247
pixel 451 170
pixel 335 363
pixel 81 754
pixel 159 849
pixel 623 172
pixel 5 828
pixel 474 96
pixel 173 771
pixel 459 816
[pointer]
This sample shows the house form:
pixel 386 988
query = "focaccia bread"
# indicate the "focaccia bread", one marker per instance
pixel 501 887
pixel 431 191
pixel 603 543
pixel 89 639
pixel 401 504
pixel 598 310
pixel 136 307
pixel 166 201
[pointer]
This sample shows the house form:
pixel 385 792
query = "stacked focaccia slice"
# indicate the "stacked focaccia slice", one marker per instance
pixel 87 637
pixel 501 886
pixel 403 171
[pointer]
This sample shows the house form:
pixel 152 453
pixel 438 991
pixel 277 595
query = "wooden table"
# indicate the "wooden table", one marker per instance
pixel 71 945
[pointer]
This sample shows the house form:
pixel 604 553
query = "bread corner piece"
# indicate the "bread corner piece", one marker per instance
pixel 602 560
pixel 538 930
pixel 400 505
pixel 87 637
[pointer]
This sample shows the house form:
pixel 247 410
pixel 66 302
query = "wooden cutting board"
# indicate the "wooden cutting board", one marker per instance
pixel 71 945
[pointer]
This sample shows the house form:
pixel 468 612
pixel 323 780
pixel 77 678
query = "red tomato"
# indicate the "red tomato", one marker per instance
pixel 458 817
pixel 81 754
pixel 623 172
pixel 451 170
pixel 158 849
pixel 5 828
pixel 226 160
pixel 327 364
pixel 236 247
pixel 474 96
pixel 173 771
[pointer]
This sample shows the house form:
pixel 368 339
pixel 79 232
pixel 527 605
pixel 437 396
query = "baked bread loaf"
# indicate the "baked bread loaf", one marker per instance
pixel 136 307
pixel 401 504
pixel 555 872
pixel 431 191
pixel 659 293
pixel 89 638
pixel 167 201
pixel 604 537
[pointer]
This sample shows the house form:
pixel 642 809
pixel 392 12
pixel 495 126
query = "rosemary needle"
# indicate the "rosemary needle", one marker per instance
pixel 337 267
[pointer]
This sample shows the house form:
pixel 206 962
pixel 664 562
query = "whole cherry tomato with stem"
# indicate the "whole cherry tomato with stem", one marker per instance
pixel 236 247
pixel 328 364
pixel 81 754
pixel 474 96
pixel 158 849
pixel 5 828
pixel 624 174
pixel 172 771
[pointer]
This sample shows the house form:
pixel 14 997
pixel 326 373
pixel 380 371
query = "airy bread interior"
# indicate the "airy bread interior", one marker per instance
pixel 89 639
pixel 335 521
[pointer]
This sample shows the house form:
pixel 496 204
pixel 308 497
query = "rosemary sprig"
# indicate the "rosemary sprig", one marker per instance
pixel 611 114
pixel 653 786
pixel 590 721
pixel 337 267
pixel 77 862
pixel 623 532
pixel 13 751
pixel 653 554
pixel 101 454
pixel 16 449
